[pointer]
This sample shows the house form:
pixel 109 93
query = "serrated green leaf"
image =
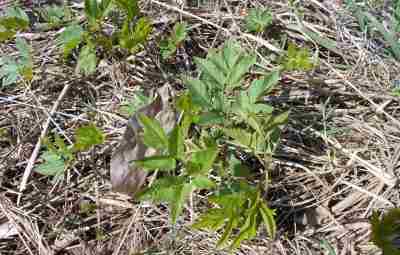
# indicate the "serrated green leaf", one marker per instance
pixel 264 86
pixel 199 93
pixel 202 182
pixel 211 69
pixel 154 135
pixel 231 54
pixel 70 38
pixel 156 162
pixel 87 60
pixel 87 137
pixel 24 51
pixel 162 189
pixel 239 70
pixel 248 230
pixel 267 215
pixel 258 19
pixel 213 219
pixel 52 166
pixel 202 161
pixel 176 146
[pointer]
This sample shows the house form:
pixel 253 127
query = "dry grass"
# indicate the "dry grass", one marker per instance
pixel 338 159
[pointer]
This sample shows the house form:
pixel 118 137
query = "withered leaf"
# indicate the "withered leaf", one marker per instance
pixel 125 176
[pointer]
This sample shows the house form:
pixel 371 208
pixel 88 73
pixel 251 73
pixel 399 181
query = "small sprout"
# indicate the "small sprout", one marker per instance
pixel 258 19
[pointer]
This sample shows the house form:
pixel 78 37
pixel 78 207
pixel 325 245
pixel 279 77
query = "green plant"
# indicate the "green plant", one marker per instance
pixel 386 231
pixel 20 67
pixel 54 16
pixel 297 59
pixel 58 156
pixel 258 19
pixel 13 20
pixel 168 46
pixel 130 36
pixel 229 118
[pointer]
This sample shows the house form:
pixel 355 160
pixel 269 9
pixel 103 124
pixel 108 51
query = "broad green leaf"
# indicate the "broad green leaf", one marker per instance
pixel 9 72
pixel 212 70
pixel 213 219
pixel 154 135
pixel 157 162
pixel 162 189
pixel 248 230
pixel 202 182
pixel 281 119
pixel 258 19
pixel 202 161
pixel 210 118
pixel 52 166
pixel 239 70
pixel 176 146
pixel 199 92
pixel 167 49
pixel 267 215
pixel 262 108
pixel 87 137
pixel 87 60
pixel 238 169
pixel 179 32
pixel 231 54
pixel 241 136
pixel 70 38
pixel 264 86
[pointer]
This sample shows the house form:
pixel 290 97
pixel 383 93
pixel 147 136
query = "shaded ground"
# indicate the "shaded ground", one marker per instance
pixel 342 140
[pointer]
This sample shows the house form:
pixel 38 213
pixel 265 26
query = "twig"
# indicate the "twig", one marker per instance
pixel 35 152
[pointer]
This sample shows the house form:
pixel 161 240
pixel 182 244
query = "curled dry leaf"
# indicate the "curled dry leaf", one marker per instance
pixel 125 176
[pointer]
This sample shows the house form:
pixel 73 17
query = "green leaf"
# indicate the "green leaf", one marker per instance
pixel 130 7
pixel 232 223
pixel 157 162
pixel 297 59
pixel 87 60
pixel 132 39
pixel 268 217
pixel 386 231
pixel 241 136
pixel 231 54
pixel 264 86
pixel 213 219
pixel 52 166
pixel 258 19
pixel 176 146
pixel 87 137
pixel 179 32
pixel 262 108
pixel 154 135
pixel 238 169
pixel 70 38
pixel 202 182
pixel 210 118
pixel 14 19
pixel 212 70
pixel 167 49
pixel 163 189
pixel 91 11
pixel 240 69
pixel 181 193
pixel 9 72
pixel 199 93
pixel 138 101
pixel 202 161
